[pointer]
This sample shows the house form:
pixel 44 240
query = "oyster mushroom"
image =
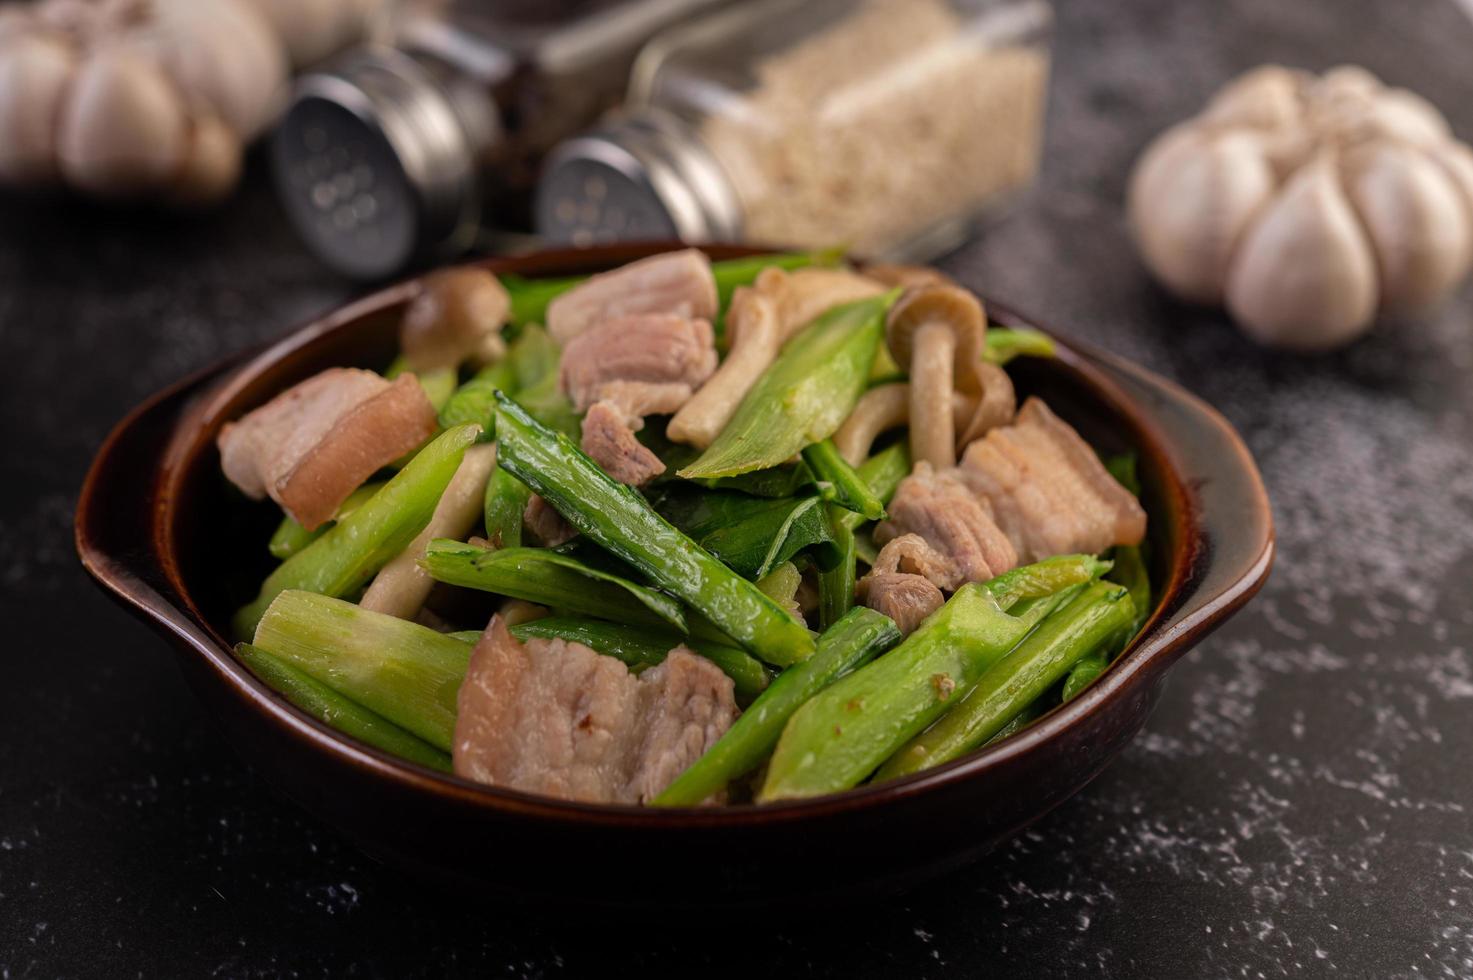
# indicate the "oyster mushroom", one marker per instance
pixel 805 293
pixel 933 332
pixel 995 406
pixel 753 331
pixel 907 276
pixel 457 316
pixel 401 587
pixel 881 409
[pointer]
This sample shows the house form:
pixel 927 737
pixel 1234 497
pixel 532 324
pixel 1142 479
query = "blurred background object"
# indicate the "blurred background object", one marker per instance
pixel 1307 203
pixel 153 98
pixel 393 155
pixel 887 125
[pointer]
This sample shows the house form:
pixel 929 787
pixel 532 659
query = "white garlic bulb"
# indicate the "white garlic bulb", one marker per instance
pixel 1307 204
pixel 153 97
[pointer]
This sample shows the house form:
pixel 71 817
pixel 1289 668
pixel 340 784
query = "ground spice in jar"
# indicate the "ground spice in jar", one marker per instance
pixel 874 131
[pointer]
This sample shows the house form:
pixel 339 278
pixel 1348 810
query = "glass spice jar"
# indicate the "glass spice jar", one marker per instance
pixel 888 126
pixel 397 153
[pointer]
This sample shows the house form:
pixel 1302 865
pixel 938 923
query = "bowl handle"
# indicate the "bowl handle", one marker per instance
pixel 1228 512
pixel 114 510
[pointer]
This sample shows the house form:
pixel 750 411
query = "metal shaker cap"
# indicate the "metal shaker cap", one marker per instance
pixel 375 162
pixel 639 177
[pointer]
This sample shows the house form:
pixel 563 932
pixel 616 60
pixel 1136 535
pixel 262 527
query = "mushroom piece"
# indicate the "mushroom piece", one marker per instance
pixel 881 409
pixel 907 276
pixel 754 332
pixel 401 587
pixel 457 316
pixel 995 407
pixel 806 293
pixel 933 332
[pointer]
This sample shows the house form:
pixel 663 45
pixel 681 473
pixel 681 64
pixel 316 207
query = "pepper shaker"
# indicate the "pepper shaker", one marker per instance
pixel 890 126
pixel 395 154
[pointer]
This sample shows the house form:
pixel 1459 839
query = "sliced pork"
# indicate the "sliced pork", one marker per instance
pixel 546 526
pixel 626 368
pixel 907 599
pixel 316 442
pixel 945 513
pixel 556 718
pixel 650 362
pixel 679 283
pixel 1048 490
pixel 610 442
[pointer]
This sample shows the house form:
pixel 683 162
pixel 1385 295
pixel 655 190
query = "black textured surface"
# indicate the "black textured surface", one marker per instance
pixel 1301 803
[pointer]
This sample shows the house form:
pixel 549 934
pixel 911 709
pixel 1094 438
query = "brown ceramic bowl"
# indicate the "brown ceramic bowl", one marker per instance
pixel 155 518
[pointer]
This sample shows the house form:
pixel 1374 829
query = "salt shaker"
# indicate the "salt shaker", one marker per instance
pixel 888 126
pixel 397 153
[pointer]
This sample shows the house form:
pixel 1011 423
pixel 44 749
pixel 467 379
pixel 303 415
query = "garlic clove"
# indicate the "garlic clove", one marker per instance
pixel 1456 159
pixel 35 69
pixel 123 127
pixel 224 53
pixel 212 165
pixel 1416 221
pixel 1268 97
pixel 1405 115
pixel 1190 198
pixel 1304 277
pixel 314 29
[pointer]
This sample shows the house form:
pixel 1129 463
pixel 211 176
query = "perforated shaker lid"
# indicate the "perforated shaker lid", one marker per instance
pixel 643 176
pixel 375 163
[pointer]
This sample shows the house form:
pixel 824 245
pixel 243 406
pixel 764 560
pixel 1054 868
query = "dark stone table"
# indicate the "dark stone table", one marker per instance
pixel 1300 804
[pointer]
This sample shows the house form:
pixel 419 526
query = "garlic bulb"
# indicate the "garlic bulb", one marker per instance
pixel 153 98
pixel 1307 204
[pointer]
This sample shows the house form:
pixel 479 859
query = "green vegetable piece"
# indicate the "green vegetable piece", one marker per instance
pixel 846 646
pixel 836 583
pixel 781 584
pixel 291 537
pixel 1003 344
pixel 882 473
pixel 475 401
pixel 466 636
pixel 348 555
pixel 1083 674
pixel 839 737
pixel 804 396
pixel 439 386
pixel 1130 560
pixel 529 297
pixel 319 701
pixel 617 518
pixel 505 504
pixel 845 486
pixel 753 535
pixel 640 646
pixel 405 672
pixel 1099 611
pixel 1020 721
pixel 550 579
pixel 1045 578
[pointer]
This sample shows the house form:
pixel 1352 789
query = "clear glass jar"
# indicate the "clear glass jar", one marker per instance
pixel 888 126
pixel 401 152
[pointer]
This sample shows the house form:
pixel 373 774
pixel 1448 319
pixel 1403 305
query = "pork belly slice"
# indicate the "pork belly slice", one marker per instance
pixel 316 442
pixel 680 283
pixel 957 525
pixel 609 441
pixel 556 718
pixel 906 598
pixel 651 361
pixel 1048 489
pixel 546 526
pixel 626 368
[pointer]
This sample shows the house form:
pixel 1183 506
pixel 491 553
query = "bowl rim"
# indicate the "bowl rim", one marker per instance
pixel 1151 651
